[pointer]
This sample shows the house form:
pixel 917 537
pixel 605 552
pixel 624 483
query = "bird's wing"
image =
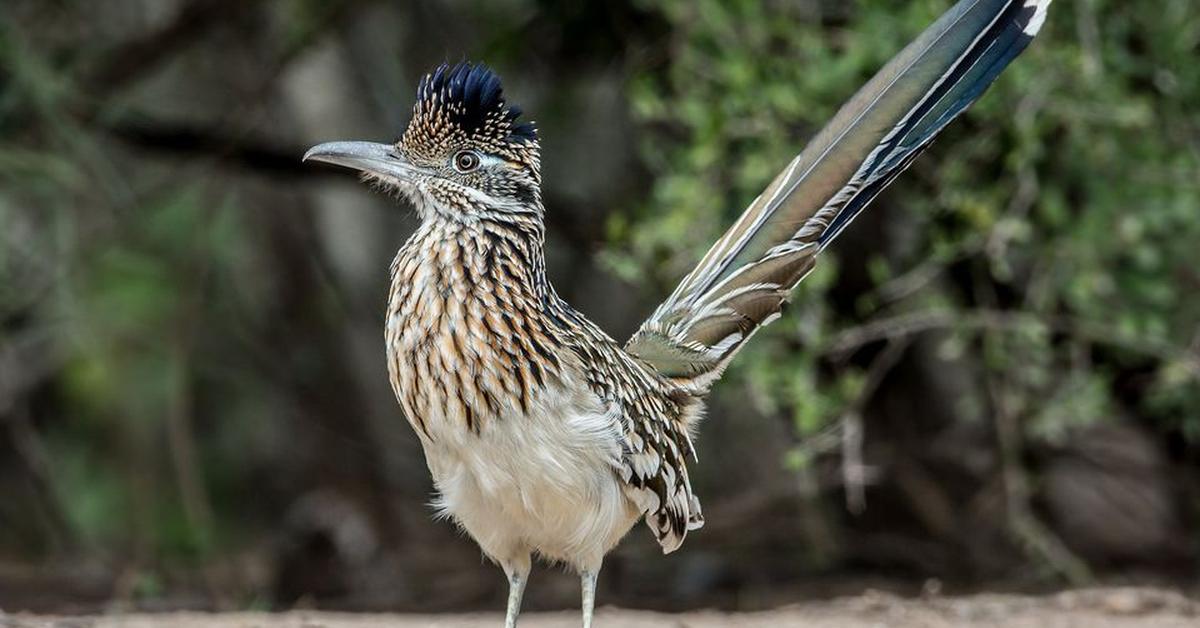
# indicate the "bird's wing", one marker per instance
pixel 742 282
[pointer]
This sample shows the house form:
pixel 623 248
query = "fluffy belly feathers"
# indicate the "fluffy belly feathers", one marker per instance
pixel 543 481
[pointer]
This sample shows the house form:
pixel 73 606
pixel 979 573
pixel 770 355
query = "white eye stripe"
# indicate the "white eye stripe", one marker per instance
pixel 487 161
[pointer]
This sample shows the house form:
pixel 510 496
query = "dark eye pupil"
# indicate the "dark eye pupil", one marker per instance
pixel 467 161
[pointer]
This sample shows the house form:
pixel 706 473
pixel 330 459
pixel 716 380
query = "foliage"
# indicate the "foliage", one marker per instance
pixel 1053 228
pixel 112 286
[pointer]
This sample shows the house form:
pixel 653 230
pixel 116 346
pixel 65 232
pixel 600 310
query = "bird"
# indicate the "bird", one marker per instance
pixel 544 436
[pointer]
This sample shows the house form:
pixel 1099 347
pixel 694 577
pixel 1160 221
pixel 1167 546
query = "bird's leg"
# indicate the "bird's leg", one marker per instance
pixel 518 574
pixel 587 580
pixel 516 589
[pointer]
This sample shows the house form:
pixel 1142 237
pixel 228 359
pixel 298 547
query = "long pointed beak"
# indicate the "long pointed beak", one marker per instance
pixel 369 157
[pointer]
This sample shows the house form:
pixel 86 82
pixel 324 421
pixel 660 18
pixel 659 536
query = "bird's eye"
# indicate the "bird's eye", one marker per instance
pixel 466 161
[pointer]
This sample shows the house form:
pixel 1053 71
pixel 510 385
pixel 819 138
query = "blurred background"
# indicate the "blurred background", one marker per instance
pixel 992 381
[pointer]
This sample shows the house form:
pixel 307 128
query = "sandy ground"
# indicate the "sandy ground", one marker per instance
pixel 1096 608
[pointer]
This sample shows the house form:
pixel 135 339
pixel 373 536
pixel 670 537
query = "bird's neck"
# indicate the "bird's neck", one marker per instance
pixel 468 258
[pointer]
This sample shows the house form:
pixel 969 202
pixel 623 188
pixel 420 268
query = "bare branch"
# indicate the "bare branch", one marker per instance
pixel 913 323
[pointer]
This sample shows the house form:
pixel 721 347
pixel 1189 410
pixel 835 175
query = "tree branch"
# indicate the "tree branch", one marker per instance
pixel 909 324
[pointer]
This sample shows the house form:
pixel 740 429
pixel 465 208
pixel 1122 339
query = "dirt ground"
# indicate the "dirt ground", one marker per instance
pixel 1095 608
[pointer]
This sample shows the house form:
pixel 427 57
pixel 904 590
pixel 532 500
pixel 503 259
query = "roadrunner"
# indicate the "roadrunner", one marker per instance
pixel 542 433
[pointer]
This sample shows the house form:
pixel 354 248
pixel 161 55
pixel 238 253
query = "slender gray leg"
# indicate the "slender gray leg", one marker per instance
pixel 588 584
pixel 518 575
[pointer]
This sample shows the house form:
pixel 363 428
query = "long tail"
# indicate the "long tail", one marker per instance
pixel 744 279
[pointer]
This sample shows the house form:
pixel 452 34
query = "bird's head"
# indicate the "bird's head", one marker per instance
pixel 465 156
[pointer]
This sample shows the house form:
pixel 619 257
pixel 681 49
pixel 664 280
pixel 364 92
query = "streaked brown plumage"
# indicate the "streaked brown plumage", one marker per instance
pixel 465 297
pixel 543 434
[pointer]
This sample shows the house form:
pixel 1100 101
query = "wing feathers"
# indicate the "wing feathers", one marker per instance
pixel 744 279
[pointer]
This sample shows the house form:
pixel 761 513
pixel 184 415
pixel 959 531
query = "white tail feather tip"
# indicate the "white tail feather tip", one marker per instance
pixel 1039 16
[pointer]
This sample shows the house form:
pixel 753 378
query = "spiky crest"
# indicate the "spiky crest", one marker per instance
pixel 465 103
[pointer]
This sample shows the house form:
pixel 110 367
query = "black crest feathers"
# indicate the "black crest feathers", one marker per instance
pixel 470 97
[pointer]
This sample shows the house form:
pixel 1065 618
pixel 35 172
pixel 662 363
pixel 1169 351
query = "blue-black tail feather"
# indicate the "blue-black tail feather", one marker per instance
pixel 977 69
